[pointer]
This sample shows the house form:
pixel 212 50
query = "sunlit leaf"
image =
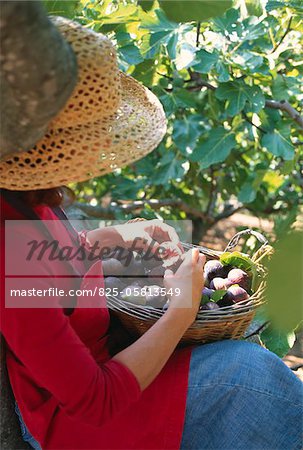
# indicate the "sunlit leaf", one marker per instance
pixel 204 61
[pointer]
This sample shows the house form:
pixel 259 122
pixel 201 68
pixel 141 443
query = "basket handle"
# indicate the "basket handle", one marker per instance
pixel 235 240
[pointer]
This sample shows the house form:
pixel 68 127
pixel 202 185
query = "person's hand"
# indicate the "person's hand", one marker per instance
pixel 189 282
pixel 147 235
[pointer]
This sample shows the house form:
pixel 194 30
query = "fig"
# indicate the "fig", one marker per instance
pixel 150 260
pixel 157 272
pixel 238 276
pixel 213 269
pixel 134 268
pixel 154 297
pixel 237 293
pixel 218 283
pixel 119 253
pixel 131 294
pixel 113 282
pixel 210 306
pixel 227 300
pixel 112 267
pixel 137 283
pixel 208 292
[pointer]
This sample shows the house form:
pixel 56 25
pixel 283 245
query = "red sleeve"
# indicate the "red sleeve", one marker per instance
pixel 48 346
pixel 45 342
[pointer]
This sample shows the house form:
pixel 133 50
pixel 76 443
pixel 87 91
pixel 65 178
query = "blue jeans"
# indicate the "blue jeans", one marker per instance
pixel 240 397
pixel 27 437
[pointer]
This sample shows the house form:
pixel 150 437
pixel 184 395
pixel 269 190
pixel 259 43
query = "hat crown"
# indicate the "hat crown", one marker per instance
pixel 97 93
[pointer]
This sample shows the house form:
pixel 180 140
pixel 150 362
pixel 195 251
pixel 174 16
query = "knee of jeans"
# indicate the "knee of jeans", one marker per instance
pixel 241 363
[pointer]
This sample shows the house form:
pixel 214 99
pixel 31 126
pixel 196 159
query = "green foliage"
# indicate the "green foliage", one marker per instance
pixel 225 148
pixel 190 10
pixel 62 7
pixel 237 259
pixel 284 289
pixel 215 148
pixel 279 342
pixel 213 79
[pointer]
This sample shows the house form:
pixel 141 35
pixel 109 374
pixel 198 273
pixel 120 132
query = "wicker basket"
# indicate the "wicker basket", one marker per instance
pixel 229 322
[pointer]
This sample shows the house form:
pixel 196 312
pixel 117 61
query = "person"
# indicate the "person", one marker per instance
pixel 70 392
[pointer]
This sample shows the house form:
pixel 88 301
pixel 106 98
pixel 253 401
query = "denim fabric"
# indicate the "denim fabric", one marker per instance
pixel 27 437
pixel 241 397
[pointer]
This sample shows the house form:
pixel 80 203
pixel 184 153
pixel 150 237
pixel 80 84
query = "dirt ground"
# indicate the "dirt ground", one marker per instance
pixel 218 237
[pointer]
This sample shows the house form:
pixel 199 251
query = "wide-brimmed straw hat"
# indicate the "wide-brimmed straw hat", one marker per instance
pixel 109 121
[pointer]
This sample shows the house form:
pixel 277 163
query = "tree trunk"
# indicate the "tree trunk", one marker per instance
pixel 38 73
pixel 10 438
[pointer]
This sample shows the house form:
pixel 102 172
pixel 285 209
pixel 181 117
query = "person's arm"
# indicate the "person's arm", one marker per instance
pixel 147 356
pixel 44 341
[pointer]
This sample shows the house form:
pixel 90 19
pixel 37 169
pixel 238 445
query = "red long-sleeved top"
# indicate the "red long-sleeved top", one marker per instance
pixel 70 393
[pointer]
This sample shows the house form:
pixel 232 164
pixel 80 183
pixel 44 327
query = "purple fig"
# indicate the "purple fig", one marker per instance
pixel 113 282
pixel 154 297
pixel 157 272
pixel 213 269
pixel 208 292
pixel 238 276
pixel 237 293
pixel 227 300
pixel 219 283
pixel 134 267
pixel 210 306
pixel 112 267
pixel 150 260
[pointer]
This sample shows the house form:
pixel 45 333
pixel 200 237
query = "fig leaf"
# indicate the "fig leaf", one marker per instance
pixel 204 299
pixel 217 295
pixel 239 260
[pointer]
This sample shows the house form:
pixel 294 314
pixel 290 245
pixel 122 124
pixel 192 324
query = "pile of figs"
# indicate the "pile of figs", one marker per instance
pixel 225 285
pixel 139 279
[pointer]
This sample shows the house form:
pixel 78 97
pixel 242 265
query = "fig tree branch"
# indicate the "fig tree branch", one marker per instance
pixel 284 36
pixel 253 124
pixel 38 73
pixel 111 211
pixel 229 211
pixel 282 105
pixel 198 33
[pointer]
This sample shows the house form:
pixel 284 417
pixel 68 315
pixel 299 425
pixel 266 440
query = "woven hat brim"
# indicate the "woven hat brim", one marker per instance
pixel 93 149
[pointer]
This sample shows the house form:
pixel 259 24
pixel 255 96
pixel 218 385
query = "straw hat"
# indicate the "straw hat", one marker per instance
pixel 109 121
